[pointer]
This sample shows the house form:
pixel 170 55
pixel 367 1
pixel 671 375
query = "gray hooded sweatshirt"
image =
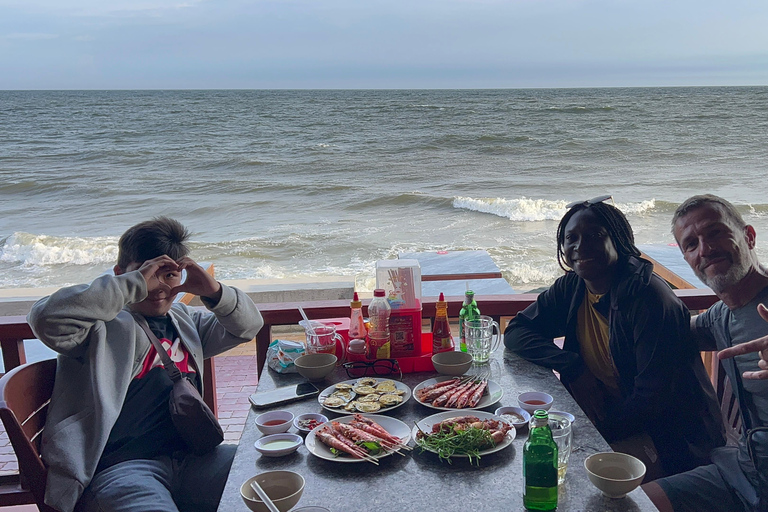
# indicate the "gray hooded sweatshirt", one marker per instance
pixel 101 349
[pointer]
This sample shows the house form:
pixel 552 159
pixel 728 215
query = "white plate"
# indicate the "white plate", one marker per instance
pixel 340 410
pixel 493 393
pixel 392 425
pixel 427 423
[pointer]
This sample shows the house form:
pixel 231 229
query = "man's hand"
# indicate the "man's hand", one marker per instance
pixel 759 345
pixel 198 281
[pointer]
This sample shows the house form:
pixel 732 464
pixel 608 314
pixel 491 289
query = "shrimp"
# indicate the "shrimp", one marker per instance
pixel 330 440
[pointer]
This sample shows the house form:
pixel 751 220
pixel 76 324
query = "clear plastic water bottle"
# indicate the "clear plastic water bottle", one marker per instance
pixel 379 311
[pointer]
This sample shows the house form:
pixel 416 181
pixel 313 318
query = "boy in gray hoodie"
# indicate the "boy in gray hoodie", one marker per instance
pixel 109 442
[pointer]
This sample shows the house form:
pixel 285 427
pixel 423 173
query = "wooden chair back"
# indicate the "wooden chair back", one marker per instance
pixel 25 393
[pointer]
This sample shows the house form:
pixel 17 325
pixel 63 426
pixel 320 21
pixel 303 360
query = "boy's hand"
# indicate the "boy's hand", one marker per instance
pixel 198 281
pixel 760 345
pixel 153 269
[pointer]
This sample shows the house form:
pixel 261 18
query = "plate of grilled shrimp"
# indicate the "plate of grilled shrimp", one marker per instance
pixel 366 395
pixel 359 438
pixel 451 393
pixel 472 435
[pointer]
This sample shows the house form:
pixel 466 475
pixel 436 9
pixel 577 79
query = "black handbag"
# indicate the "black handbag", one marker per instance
pixel 193 419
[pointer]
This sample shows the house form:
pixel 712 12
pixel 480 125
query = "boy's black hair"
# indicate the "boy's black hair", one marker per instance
pixel 612 220
pixel 150 239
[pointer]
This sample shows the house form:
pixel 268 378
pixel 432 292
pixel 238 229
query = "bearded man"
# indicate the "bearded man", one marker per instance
pixel 720 248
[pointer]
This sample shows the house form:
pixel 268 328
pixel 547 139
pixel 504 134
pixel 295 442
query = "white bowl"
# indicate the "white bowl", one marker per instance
pixel 516 411
pixel 284 488
pixel 452 362
pixel 541 401
pixel 274 422
pixel 277 445
pixel 315 367
pixel 308 416
pixel 615 474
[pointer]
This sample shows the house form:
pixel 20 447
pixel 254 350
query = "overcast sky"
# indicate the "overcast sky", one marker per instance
pixel 253 44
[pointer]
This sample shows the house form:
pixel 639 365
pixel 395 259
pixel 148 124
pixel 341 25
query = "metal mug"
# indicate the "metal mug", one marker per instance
pixel 480 338
pixel 324 340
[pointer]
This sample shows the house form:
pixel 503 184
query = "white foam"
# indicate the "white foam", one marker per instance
pixel 533 210
pixel 43 250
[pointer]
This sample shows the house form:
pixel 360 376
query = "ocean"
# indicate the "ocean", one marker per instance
pixel 304 183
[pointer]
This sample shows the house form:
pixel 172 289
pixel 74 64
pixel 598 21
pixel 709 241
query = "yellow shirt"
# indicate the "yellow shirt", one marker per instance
pixel 593 339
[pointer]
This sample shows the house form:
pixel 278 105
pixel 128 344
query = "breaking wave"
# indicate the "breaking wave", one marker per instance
pixel 43 250
pixel 533 210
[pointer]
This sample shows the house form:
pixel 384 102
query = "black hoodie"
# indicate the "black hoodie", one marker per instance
pixel 665 389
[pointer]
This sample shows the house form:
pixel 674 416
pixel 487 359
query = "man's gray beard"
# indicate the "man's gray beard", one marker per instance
pixel 732 277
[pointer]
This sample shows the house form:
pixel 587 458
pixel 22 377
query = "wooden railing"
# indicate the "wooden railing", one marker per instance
pixel 14 329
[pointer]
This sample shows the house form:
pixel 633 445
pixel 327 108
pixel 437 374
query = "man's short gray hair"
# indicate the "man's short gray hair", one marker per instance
pixel 726 208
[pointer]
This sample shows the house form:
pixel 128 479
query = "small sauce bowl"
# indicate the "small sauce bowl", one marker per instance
pixel 302 418
pixel 534 400
pixel 277 445
pixel 516 416
pixel 274 422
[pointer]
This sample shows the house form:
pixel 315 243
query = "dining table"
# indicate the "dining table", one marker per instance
pixel 420 480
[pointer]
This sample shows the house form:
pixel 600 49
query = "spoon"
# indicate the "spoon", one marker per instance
pixel 263 495
pixel 309 324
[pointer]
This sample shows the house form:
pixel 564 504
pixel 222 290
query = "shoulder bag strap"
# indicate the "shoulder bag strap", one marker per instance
pixel 173 371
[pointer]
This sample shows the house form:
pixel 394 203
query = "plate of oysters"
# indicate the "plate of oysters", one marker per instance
pixel 366 395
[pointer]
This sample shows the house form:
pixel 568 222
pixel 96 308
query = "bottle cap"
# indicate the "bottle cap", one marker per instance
pixel 441 298
pixel 356 302
pixel 357 346
pixel 379 292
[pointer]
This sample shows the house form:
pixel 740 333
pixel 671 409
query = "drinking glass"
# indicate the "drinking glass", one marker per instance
pixel 323 340
pixel 563 436
pixel 480 338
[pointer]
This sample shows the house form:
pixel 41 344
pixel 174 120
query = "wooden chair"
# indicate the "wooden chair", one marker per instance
pixel 25 393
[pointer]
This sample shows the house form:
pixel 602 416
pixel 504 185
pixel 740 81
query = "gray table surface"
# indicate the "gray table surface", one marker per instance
pixel 420 481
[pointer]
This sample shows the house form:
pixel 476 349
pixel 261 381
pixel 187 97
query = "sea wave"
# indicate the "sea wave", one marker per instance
pixel 532 210
pixel 43 250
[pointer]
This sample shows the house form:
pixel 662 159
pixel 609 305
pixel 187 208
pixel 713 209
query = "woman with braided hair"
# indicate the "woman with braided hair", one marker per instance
pixel 627 357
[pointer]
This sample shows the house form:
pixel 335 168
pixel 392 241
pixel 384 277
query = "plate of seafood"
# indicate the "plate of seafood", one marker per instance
pixel 450 393
pixel 366 395
pixel 359 438
pixel 473 435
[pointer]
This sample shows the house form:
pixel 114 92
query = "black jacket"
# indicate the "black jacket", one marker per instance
pixel 665 389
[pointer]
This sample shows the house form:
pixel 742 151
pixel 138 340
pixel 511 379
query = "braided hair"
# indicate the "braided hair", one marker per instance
pixel 612 220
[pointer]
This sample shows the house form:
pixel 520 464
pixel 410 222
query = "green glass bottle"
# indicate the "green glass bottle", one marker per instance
pixel 468 311
pixel 540 465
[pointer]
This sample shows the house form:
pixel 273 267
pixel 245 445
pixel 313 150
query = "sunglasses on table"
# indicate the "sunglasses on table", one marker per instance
pixel 379 367
pixel 589 202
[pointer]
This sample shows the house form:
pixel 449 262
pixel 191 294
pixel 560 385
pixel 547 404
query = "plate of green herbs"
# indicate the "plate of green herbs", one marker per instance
pixel 472 443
